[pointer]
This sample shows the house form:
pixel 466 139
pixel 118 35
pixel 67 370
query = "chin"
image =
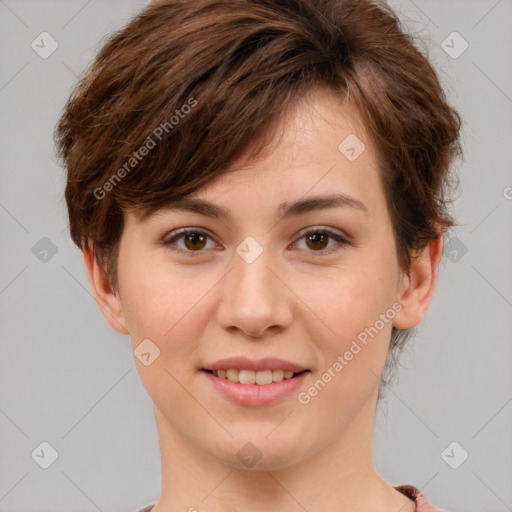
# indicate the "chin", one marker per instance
pixel 259 453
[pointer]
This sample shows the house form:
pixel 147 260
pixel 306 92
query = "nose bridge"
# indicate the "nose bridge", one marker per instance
pixel 253 281
pixel 253 298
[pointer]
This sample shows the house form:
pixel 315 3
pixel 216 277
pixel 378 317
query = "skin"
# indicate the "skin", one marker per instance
pixel 292 303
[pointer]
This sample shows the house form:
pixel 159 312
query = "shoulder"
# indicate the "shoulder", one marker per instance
pixel 422 504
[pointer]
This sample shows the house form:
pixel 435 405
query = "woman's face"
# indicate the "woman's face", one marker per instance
pixel 258 283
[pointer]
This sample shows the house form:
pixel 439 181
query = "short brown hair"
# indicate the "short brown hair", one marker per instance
pixel 238 65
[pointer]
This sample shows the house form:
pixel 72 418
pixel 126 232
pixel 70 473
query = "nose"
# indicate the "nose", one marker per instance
pixel 255 298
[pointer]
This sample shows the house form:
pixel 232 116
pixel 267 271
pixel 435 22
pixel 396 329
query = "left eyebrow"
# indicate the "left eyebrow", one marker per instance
pixel 301 207
pixel 322 203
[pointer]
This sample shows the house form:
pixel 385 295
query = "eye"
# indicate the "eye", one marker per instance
pixel 195 240
pixel 317 239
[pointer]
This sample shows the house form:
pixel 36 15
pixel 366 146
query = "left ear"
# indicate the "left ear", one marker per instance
pixel 417 287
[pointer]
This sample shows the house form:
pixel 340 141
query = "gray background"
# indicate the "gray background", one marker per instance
pixel 68 379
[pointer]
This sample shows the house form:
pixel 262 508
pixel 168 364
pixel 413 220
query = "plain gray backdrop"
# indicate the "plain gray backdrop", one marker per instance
pixel 68 380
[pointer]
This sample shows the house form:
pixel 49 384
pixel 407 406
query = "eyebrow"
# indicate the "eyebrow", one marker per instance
pixel 300 207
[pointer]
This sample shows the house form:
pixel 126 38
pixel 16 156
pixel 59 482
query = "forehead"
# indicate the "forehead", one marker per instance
pixel 321 157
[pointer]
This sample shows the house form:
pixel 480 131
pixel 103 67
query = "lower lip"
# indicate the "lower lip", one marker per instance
pixel 255 394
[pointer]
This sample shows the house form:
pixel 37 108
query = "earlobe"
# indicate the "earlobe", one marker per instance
pixel 108 301
pixel 417 287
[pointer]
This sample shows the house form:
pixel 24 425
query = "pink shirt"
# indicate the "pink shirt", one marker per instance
pixel 422 504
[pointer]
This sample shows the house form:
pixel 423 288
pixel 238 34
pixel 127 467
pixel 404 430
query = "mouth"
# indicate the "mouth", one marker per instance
pixel 255 388
pixel 252 377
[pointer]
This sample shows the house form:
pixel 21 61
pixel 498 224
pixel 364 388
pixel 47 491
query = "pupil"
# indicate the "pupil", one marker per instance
pixel 193 239
pixel 314 239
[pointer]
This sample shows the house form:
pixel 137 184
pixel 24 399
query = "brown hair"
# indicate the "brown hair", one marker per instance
pixel 198 82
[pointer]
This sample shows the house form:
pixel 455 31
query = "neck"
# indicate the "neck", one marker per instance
pixel 340 476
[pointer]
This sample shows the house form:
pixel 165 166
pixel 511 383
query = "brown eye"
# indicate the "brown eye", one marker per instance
pixel 317 241
pixel 194 241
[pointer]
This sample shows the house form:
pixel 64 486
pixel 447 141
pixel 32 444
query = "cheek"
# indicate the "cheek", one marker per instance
pixel 355 304
pixel 354 348
pixel 163 305
pixel 163 308
pixel 353 298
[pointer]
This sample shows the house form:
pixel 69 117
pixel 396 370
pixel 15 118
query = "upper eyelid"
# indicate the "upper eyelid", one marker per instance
pixel 332 232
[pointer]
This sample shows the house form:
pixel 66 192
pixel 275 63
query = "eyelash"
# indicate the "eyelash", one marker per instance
pixel 185 231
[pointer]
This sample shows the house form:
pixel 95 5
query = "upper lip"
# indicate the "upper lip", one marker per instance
pixel 266 363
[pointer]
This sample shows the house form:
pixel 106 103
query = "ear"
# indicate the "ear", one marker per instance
pixel 107 299
pixel 417 287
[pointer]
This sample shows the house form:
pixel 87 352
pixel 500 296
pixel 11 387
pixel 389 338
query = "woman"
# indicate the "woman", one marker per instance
pixel 259 189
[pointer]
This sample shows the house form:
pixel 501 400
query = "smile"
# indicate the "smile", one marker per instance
pixel 247 377
pixel 245 390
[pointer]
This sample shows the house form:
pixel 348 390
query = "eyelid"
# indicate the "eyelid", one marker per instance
pixel 184 231
pixel 340 237
pixel 171 237
pixel 324 229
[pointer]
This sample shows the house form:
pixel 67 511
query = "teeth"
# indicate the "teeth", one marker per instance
pixel 251 377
